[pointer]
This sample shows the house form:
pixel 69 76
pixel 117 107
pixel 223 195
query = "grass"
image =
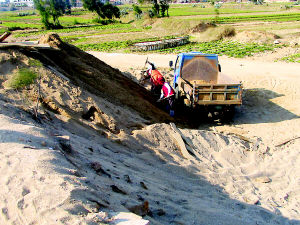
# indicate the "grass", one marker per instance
pixel 229 48
pixel 34 63
pixel 73 39
pixel 269 27
pixel 2 30
pixel 91 28
pixel 105 47
pixel 292 58
pixel 22 78
pixel 250 18
pixel 208 9
pixel 69 20
pixel 114 45
pixel 21 25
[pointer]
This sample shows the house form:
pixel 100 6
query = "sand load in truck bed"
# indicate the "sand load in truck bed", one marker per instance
pixel 200 70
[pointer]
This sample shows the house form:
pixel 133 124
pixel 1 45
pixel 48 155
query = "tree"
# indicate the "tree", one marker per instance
pixel 164 7
pixel 12 7
pixel 155 8
pixel 159 7
pixel 137 11
pixel 48 9
pixel 104 11
pixel 258 2
pixel 57 9
pixel 68 7
pixel 74 3
pixel 110 11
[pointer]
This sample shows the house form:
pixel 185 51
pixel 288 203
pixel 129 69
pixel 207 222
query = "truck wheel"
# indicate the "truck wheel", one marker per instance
pixel 228 114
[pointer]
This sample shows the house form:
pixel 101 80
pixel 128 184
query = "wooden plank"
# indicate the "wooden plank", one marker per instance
pixel 217 102
pixel 4 36
pixel 217 91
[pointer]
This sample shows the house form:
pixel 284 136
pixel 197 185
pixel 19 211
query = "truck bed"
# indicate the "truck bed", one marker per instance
pixel 218 94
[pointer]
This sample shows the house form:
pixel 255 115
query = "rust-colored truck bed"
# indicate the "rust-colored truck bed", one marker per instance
pixel 218 94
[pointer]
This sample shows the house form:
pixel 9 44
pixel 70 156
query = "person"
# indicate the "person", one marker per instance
pixel 157 80
pixel 168 93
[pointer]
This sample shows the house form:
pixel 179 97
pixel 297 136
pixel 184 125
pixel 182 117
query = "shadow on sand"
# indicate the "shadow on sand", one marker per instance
pixel 258 108
pixel 173 190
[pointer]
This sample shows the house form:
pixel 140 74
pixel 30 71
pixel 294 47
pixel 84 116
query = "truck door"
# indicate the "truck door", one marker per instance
pixel 176 76
pixel 176 72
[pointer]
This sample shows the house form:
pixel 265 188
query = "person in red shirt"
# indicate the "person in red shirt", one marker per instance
pixel 168 93
pixel 157 80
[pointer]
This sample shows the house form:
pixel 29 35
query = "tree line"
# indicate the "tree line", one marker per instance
pixel 51 10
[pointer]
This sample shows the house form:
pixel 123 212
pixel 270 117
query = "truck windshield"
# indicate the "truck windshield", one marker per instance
pixel 199 69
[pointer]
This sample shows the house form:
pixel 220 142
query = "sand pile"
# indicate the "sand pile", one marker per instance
pixel 95 76
pixel 91 155
pixel 201 27
pixel 81 87
pixel 255 36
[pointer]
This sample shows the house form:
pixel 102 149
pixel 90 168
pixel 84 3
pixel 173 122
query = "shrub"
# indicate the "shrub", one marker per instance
pixel 103 21
pixel 34 63
pixel 22 78
pixel 292 58
pixel 75 22
pixel 151 13
pixel 14 28
pixel 124 12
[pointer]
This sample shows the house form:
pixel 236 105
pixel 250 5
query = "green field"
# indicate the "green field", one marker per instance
pixel 80 28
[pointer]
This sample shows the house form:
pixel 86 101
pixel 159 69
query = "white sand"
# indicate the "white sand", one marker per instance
pixel 226 180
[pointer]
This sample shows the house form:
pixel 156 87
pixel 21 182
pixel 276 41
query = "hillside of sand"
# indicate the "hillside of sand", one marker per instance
pixel 95 151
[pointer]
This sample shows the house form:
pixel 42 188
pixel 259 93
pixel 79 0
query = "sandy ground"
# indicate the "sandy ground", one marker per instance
pixel 271 96
pixel 245 172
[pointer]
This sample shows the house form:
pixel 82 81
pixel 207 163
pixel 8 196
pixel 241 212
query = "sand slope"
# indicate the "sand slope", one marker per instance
pixel 73 170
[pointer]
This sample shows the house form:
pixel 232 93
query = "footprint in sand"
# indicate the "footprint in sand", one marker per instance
pixel 20 204
pixel 25 191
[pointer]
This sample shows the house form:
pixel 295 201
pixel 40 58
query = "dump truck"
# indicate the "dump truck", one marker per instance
pixel 198 85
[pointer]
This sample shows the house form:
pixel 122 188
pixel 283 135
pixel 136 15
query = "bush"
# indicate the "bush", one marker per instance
pixel 14 28
pixel 75 22
pixel 22 78
pixel 124 12
pixel 103 21
pixel 12 7
pixel 151 13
